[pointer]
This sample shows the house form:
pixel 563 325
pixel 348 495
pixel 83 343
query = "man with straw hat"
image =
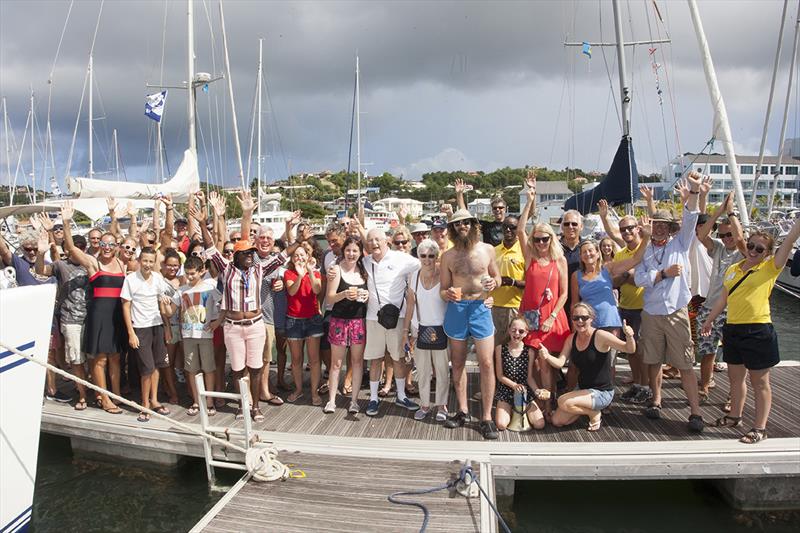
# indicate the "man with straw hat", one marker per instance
pixel 666 332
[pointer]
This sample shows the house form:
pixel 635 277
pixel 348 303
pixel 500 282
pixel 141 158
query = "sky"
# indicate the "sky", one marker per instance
pixel 443 85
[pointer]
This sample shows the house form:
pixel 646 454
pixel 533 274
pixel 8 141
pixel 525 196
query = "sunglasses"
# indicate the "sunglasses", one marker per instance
pixel 236 239
pixel 757 247
pixel 199 254
pixel 427 256
pixel 227 252
pixel 627 229
pixel 400 243
pixel 108 245
pixel 459 223
pixel 30 250
pixel 725 235
pixel 580 318
pixel 498 207
pixel 58 228
pixel 128 248
pixel 570 224
pixel 541 239
pixel 509 227
pixel 518 330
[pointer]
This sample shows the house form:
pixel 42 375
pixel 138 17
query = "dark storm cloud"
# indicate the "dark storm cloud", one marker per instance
pixel 442 82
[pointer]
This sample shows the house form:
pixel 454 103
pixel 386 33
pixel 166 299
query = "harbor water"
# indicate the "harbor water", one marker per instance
pixel 82 494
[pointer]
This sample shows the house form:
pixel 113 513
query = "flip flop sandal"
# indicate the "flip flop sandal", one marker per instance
pixel 594 426
pixel 211 411
pixel 257 415
pixel 727 407
pixel 193 410
pixel 162 410
pixel 143 417
pixel 294 398
pixel 113 410
pixel 728 422
pixel 347 390
pixel 274 400
pixel 81 405
pixel 323 389
pixel 316 402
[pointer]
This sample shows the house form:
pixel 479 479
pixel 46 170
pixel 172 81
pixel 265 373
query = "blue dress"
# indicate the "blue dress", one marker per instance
pixel 599 293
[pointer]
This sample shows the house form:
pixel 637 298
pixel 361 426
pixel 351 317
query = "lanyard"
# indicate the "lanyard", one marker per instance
pixel 245 281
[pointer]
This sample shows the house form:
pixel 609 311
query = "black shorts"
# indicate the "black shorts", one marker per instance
pixel 152 350
pixel 753 345
pixel 324 343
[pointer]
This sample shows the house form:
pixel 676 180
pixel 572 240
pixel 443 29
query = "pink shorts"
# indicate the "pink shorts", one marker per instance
pixel 245 345
pixel 347 331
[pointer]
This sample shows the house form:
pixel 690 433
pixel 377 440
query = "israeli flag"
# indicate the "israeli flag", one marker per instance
pixel 154 105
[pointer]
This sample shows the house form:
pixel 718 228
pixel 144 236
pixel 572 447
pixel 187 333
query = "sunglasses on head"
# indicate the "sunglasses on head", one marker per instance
pixel 569 224
pixel 541 239
pixel 757 247
pixel 400 243
pixel 510 227
pixel 427 256
pixel 627 229
pixel 725 235
pixel 581 318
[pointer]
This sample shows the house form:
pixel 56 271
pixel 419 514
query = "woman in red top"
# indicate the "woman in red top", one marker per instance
pixel 303 321
pixel 545 290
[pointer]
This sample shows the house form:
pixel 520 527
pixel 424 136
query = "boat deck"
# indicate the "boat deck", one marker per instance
pixel 649 449
pixel 345 494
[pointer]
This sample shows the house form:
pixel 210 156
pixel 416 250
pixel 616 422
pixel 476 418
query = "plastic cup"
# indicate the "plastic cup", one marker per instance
pixel 457 290
pixel 485 280
pixel 352 293
pixel 363 295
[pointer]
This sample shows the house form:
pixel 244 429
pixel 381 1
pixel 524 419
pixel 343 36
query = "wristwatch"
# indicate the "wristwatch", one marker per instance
pixel 553 314
pixel 731 215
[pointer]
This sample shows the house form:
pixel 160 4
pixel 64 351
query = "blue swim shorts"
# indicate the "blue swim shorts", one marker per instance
pixel 468 318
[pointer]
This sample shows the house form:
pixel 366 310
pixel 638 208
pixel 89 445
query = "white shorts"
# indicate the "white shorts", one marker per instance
pixel 73 335
pixel 380 339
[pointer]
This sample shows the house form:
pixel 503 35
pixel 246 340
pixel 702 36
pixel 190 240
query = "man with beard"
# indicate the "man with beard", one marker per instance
pixel 468 274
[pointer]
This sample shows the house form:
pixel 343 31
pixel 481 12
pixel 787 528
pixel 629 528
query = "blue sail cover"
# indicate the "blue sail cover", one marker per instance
pixel 620 186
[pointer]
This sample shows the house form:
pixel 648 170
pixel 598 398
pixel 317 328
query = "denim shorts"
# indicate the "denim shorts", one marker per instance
pixel 302 328
pixel 601 398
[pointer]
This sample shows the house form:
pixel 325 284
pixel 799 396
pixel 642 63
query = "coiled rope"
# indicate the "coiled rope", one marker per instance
pixel 261 461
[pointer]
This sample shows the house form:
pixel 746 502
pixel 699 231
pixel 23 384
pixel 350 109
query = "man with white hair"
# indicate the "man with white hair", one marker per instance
pixel 388 272
pixel 571 227
pixel 24 265
pixel 273 282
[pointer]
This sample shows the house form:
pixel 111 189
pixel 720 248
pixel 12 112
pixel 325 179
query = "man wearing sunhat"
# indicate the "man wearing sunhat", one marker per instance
pixel 666 332
pixel 468 274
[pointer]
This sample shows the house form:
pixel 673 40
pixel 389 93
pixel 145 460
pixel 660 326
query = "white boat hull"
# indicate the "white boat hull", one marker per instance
pixel 25 325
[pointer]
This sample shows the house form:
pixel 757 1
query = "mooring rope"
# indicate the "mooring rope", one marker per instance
pixel 261 461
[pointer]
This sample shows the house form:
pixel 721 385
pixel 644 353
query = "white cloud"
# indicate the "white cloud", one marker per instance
pixel 448 159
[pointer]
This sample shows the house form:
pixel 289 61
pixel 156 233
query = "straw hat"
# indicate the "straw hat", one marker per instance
pixel 461 214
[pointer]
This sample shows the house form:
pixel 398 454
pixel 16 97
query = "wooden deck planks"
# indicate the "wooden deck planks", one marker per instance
pixel 349 494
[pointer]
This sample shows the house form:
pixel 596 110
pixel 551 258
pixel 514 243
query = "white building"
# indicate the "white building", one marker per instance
pixel 480 207
pixel 716 166
pixel 546 191
pixel 412 207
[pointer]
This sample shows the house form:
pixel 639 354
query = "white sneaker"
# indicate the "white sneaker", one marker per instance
pixel 329 408
pixel 441 414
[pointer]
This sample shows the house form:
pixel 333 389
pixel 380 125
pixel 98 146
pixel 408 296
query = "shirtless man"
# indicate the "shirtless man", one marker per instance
pixel 469 274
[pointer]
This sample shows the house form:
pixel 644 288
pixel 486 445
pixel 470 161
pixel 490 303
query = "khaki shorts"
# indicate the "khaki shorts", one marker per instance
pixel 502 317
pixel 73 335
pixel 198 354
pixel 380 339
pixel 268 343
pixel 667 339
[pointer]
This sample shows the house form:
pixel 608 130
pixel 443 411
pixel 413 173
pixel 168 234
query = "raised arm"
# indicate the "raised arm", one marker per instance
pixel 133 227
pixel 248 206
pixel 78 255
pixel 611 230
pixel 157 218
pixel 166 236
pixel 530 190
pixel 647 194
pixel 782 255
pixel 5 252
pixel 42 247
pixel 112 212
pixel 704 231
pixel 609 340
pixel 192 229
pixel 201 216
pixel 460 188
pixel 619 267
pixel 705 188
pixel 217 202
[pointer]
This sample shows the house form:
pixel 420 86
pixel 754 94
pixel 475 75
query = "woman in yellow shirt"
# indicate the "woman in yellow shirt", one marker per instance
pixel 749 340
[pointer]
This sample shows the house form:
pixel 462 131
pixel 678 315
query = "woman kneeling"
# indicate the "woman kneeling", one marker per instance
pixel 589 351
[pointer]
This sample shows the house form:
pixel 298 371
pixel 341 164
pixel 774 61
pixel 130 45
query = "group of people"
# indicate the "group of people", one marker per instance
pixel 545 316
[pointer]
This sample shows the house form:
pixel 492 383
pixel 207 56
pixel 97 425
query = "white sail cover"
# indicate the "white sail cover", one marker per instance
pixel 185 182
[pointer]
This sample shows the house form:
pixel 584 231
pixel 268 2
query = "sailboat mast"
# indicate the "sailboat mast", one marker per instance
pixel 33 151
pixel 258 122
pixel 769 105
pixel 358 132
pixel 116 153
pixel 190 67
pixel 625 92
pixel 722 127
pixel 8 152
pixel 90 174
pixel 234 124
pixel 774 189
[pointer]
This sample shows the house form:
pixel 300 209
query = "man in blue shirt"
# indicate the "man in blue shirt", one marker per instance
pixel 666 332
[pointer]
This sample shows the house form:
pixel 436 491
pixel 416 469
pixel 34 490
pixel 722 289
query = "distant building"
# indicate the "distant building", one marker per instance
pixel 413 207
pixel 480 207
pixel 414 185
pixel 716 166
pixel 547 191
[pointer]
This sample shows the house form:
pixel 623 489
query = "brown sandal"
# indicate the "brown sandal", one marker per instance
pixel 754 436
pixel 728 422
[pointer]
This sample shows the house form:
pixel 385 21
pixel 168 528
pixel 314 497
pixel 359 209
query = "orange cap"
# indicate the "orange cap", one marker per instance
pixel 243 245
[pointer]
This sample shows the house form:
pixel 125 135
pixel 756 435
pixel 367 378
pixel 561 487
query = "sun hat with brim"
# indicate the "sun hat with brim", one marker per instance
pixel 419 227
pixel 663 215
pixel 461 214
pixel 243 245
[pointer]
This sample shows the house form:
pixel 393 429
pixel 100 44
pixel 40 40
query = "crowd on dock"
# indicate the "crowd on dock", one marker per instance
pixel 544 316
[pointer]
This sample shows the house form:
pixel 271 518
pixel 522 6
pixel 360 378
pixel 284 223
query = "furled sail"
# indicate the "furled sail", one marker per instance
pixel 619 187
pixel 185 182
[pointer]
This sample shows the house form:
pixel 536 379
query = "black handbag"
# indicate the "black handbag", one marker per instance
pixel 389 314
pixel 428 337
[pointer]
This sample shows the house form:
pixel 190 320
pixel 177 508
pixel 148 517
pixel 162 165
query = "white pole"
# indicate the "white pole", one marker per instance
pixel 769 105
pixel 625 92
pixel 774 189
pixel 258 122
pixel 230 93
pixel 358 132
pixel 720 113
pixel 33 149
pixel 91 116
pixel 116 153
pixel 8 153
pixel 190 50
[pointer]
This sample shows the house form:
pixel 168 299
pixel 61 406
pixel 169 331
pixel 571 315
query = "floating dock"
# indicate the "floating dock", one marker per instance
pixel 628 445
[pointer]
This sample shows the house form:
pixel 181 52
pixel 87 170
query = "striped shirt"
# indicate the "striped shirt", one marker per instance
pixel 242 288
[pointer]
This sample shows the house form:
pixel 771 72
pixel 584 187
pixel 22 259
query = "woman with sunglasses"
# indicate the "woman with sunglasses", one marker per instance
pixel 104 333
pixel 545 293
pixel 347 293
pixel 402 241
pixel 750 343
pixel 170 267
pixel 589 351
pixel 127 253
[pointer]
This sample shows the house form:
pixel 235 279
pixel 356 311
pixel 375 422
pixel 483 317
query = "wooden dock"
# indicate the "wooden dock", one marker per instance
pixel 628 446
pixel 345 494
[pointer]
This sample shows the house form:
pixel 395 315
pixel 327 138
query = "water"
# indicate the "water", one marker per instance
pixel 77 494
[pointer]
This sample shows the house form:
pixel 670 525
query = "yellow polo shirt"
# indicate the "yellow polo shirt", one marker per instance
pixel 630 296
pixel 749 303
pixel 511 263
